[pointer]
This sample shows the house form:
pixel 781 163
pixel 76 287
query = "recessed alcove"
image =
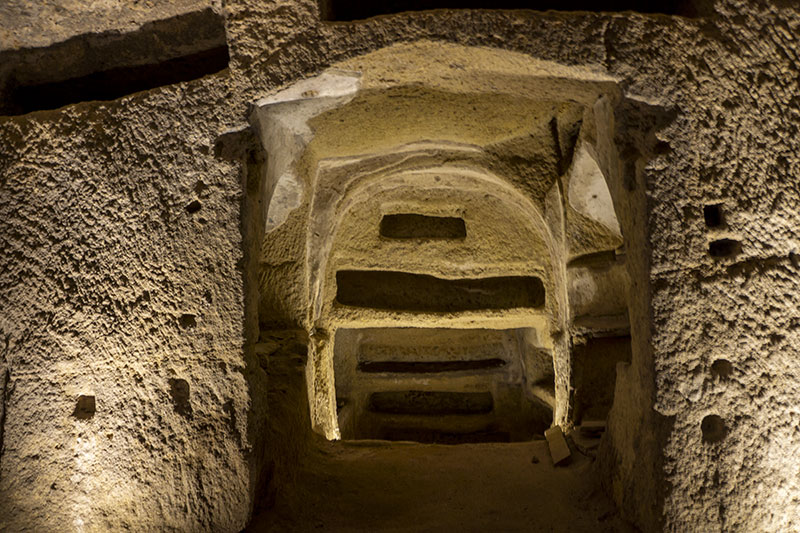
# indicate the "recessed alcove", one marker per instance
pixel 85 407
pixel 420 292
pixel 713 428
pixel 460 268
pixel 440 385
pixel 416 226
pixel 596 363
pixel 713 215
pixel 724 248
pixel 110 65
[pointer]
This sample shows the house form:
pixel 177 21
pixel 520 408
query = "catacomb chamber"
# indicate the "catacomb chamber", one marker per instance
pixel 463 271
pixel 457 188
pixel 442 385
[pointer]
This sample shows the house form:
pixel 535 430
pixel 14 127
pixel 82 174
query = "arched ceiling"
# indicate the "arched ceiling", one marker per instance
pixel 498 128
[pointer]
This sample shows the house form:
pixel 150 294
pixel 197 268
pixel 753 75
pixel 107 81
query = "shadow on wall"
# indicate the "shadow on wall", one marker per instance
pixel 110 65
pixel 344 10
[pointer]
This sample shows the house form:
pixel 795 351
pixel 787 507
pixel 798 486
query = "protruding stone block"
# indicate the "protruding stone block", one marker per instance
pixel 559 450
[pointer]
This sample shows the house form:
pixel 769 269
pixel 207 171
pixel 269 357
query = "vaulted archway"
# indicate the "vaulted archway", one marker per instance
pixel 450 223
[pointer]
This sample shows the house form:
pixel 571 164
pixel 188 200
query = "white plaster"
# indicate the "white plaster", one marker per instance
pixel 588 191
pixel 282 122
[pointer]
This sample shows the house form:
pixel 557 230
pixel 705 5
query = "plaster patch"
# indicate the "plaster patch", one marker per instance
pixel 588 192
pixel 282 122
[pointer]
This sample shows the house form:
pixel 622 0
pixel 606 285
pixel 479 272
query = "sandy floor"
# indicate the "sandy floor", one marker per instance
pixel 374 486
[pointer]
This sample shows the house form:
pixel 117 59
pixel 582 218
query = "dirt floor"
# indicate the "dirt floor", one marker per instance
pixel 377 486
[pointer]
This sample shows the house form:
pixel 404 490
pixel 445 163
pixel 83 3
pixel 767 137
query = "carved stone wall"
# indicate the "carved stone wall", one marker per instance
pixel 133 267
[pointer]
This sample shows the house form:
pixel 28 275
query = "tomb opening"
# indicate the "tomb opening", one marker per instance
pixel 463 263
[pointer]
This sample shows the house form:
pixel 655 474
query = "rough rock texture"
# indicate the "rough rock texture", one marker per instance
pixel 735 142
pixel 426 488
pixel 110 288
pixel 115 289
pixel 25 24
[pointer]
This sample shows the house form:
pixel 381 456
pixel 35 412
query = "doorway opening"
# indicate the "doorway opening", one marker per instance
pixel 446 386
pixel 446 240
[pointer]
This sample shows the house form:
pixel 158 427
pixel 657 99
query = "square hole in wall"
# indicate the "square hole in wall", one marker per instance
pixel 415 226
pixel 714 216
pixel 84 408
pixel 724 248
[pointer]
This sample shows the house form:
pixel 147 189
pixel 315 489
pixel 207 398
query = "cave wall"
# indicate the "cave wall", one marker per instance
pixel 111 288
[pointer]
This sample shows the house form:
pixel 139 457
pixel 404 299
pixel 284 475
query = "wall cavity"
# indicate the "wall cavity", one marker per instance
pixel 449 386
pixel 110 65
pixel 412 226
pixel 420 292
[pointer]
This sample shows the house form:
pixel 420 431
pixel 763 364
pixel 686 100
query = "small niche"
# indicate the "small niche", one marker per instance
pixel 188 321
pixel 411 226
pixel 419 292
pixel 724 248
pixel 713 428
pixel 193 207
pixel 440 385
pixel 179 391
pixel 595 374
pixel 714 216
pixel 85 408
pixel 721 368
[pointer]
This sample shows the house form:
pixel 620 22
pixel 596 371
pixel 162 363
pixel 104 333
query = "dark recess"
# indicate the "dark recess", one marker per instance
pixel 431 403
pixel 595 374
pixel 193 207
pixel 115 83
pixel 428 436
pixel 344 10
pixel 84 408
pixel 179 392
pixel 713 428
pixel 721 368
pixel 188 321
pixel 425 367
pixel 713 216
pixel 724 248
pixel 419 292
pixel 411 226
pixel 110 64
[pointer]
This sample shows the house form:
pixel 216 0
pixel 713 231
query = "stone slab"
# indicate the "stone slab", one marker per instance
pixel 559 450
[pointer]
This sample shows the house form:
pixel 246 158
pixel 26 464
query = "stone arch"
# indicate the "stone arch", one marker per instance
pixel 544 130
pixel 529 253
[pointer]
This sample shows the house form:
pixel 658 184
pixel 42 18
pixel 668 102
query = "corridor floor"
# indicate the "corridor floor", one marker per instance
pixel 377 486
